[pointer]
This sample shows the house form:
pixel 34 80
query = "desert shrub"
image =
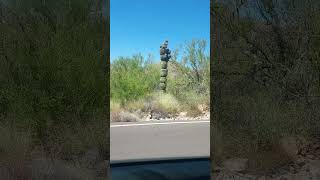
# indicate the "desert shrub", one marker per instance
pixel 192 71
pixel 124 117
pixel 265 85
pixel 137 105
pixel 52 77
pixel 156 101
pixel 166 102
pixel 132 78
pixel 135 81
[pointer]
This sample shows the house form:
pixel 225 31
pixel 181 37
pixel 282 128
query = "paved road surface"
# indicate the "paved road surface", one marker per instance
pixel 159 139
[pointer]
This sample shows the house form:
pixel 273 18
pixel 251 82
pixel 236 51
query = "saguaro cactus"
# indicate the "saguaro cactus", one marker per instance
pixel 165 55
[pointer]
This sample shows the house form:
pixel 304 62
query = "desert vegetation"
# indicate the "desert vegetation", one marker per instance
pixel 265 78
pixel 135 82
pixel 53 80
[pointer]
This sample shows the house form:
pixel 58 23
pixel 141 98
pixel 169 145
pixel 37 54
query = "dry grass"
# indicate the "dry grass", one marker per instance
pixel 115 106
pixel 136 105
pixel 260 158
pixel 191 102
pixel 21 159
pixel 123 116
pixel 252 127
pixel 164 104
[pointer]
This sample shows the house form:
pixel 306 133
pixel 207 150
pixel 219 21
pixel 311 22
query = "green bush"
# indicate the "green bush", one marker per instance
pixel 192 72
pixel 52 72
pixel 265 85
pixel 132 78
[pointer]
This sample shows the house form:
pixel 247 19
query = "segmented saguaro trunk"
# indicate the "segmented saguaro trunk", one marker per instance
pixel 163 75
pixel 165 56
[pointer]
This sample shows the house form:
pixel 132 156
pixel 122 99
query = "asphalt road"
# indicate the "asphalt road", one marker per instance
pixel 159 139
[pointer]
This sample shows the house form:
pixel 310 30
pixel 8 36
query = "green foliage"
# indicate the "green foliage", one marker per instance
pixel 192 73
pixel 52 72
pixel 132 78
pixel 267 84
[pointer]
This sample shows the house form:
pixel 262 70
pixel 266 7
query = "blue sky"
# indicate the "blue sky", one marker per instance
pixel 140 26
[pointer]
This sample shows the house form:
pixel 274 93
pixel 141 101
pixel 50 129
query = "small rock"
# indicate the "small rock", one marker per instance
pixel 158 115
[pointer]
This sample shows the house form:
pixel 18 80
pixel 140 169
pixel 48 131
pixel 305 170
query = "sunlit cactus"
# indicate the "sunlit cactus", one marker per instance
pixel 165 55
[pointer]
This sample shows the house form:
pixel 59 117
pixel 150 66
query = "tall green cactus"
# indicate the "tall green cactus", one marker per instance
pixel 163 76
pixel 165 56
